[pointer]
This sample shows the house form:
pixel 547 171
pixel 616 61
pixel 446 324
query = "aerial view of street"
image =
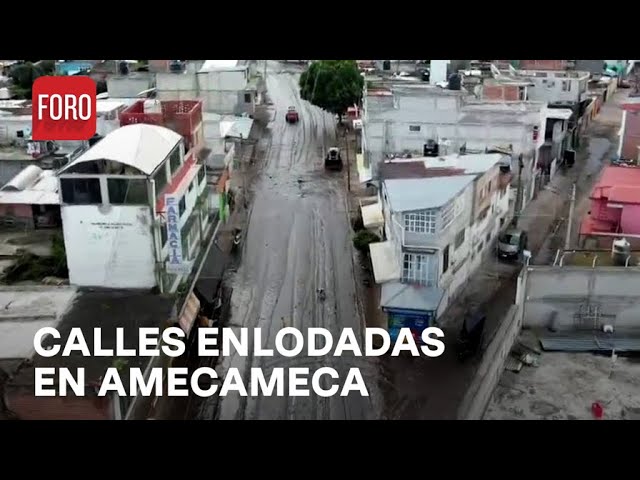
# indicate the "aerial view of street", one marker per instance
pixel 494 201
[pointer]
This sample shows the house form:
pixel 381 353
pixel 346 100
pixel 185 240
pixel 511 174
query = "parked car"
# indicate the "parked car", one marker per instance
pixel 512 243
pixel 292 115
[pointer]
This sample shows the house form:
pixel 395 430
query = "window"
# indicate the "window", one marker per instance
pixel 81 191
pixel 182 206
pixel 174 160
pixel 247 98
pixel 191 185
pixel 127 191
pixel 566 85
pixel 489 189
pixel 421 222
pixel 201 175
pixel 416 269
pixel 161 180
pixel 414 128
pixel 448 215
pixel 445 259
pixel 488 238
pixel 459 238
pixel 483 214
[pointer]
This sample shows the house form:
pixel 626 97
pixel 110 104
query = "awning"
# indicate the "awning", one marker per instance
pixel 410 297
pixel 386 266
pixel 372 215
pixel 559 113
pixel 191 310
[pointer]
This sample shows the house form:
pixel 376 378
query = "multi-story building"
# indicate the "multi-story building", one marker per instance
pixel 629 143
pixel 401 119
pixel 615 208
pixel 226 87
pixel 563 88
pixel 135 208
pixel 440 216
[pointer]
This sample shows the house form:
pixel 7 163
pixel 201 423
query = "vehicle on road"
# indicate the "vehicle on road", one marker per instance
pixel 512 243
pixel 292 115
pixel 469 341
pixel 333 159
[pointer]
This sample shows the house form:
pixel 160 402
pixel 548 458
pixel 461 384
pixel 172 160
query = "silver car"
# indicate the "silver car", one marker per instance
pixel 512 243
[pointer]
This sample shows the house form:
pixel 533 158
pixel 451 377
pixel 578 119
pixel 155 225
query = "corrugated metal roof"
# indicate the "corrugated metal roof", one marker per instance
pixel 32 186
pixel 424 193
pixel 410 296
pixel 590 343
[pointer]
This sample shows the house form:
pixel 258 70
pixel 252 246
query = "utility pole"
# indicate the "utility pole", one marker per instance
pixel 346 141
pixel 572 205
pixel 243 172
pixel 518 206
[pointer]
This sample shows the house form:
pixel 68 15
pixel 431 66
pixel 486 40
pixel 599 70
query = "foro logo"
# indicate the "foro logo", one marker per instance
pixel 64 108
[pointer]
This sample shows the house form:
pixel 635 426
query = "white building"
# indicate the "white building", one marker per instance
pixel 562 88
pixel 226 87
pixel 400 119
pixel 440 216
pixel 114 216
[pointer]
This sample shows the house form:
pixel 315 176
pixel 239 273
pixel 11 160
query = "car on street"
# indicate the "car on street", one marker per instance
pixel 333 160
pixel 512 243
pixel 292 115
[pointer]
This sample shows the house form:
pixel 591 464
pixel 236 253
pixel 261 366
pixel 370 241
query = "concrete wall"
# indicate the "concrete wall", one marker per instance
pixel 562 290
pixel 445 116
pixel 495 353
pixel 128 86
pixel 229 80
pixel 631 135
pixel 109 247
pixel 10 125
pixel 550 90
pixel 630 220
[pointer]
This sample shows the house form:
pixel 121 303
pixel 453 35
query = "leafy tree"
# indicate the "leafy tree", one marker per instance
pixel 333 85
pixel 23 77
pixel 363 238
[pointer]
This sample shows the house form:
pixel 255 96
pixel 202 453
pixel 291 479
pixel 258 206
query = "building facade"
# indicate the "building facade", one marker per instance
pixel 629 144
pixel 118 230
pixel 440 216
pixel 226 87
pixel 399 120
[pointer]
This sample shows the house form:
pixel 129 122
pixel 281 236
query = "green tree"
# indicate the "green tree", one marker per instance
pixel 333 85
pixel 23 77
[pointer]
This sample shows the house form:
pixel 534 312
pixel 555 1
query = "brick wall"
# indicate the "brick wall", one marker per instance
pixel 631 139
pixel 543 64
pixel 508 93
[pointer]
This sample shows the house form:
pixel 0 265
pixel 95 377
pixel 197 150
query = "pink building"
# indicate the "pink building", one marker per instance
pixel 615 206
pixel 629 147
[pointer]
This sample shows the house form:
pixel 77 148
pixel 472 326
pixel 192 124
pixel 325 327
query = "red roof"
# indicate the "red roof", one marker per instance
pixel 619 185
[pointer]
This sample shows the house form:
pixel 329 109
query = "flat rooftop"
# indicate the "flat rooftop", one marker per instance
pixel 599 258
pixel 24 311
pixel 108 310
pixel 564 386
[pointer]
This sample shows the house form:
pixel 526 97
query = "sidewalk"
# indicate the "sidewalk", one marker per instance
pixel 433 388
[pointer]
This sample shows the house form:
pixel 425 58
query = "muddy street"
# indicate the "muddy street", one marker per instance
pixel 298 241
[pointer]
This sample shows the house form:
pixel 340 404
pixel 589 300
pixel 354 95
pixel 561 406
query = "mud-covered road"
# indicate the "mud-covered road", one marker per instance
pixel 298 241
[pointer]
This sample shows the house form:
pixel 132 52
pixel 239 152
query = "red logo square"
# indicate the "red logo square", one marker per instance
pixel 64 108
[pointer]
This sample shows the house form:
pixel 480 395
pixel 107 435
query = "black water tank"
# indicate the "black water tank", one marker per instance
pixel 95 139
pixel 455 82
pixel 431 149
pixel 123 67
pixel 386 65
